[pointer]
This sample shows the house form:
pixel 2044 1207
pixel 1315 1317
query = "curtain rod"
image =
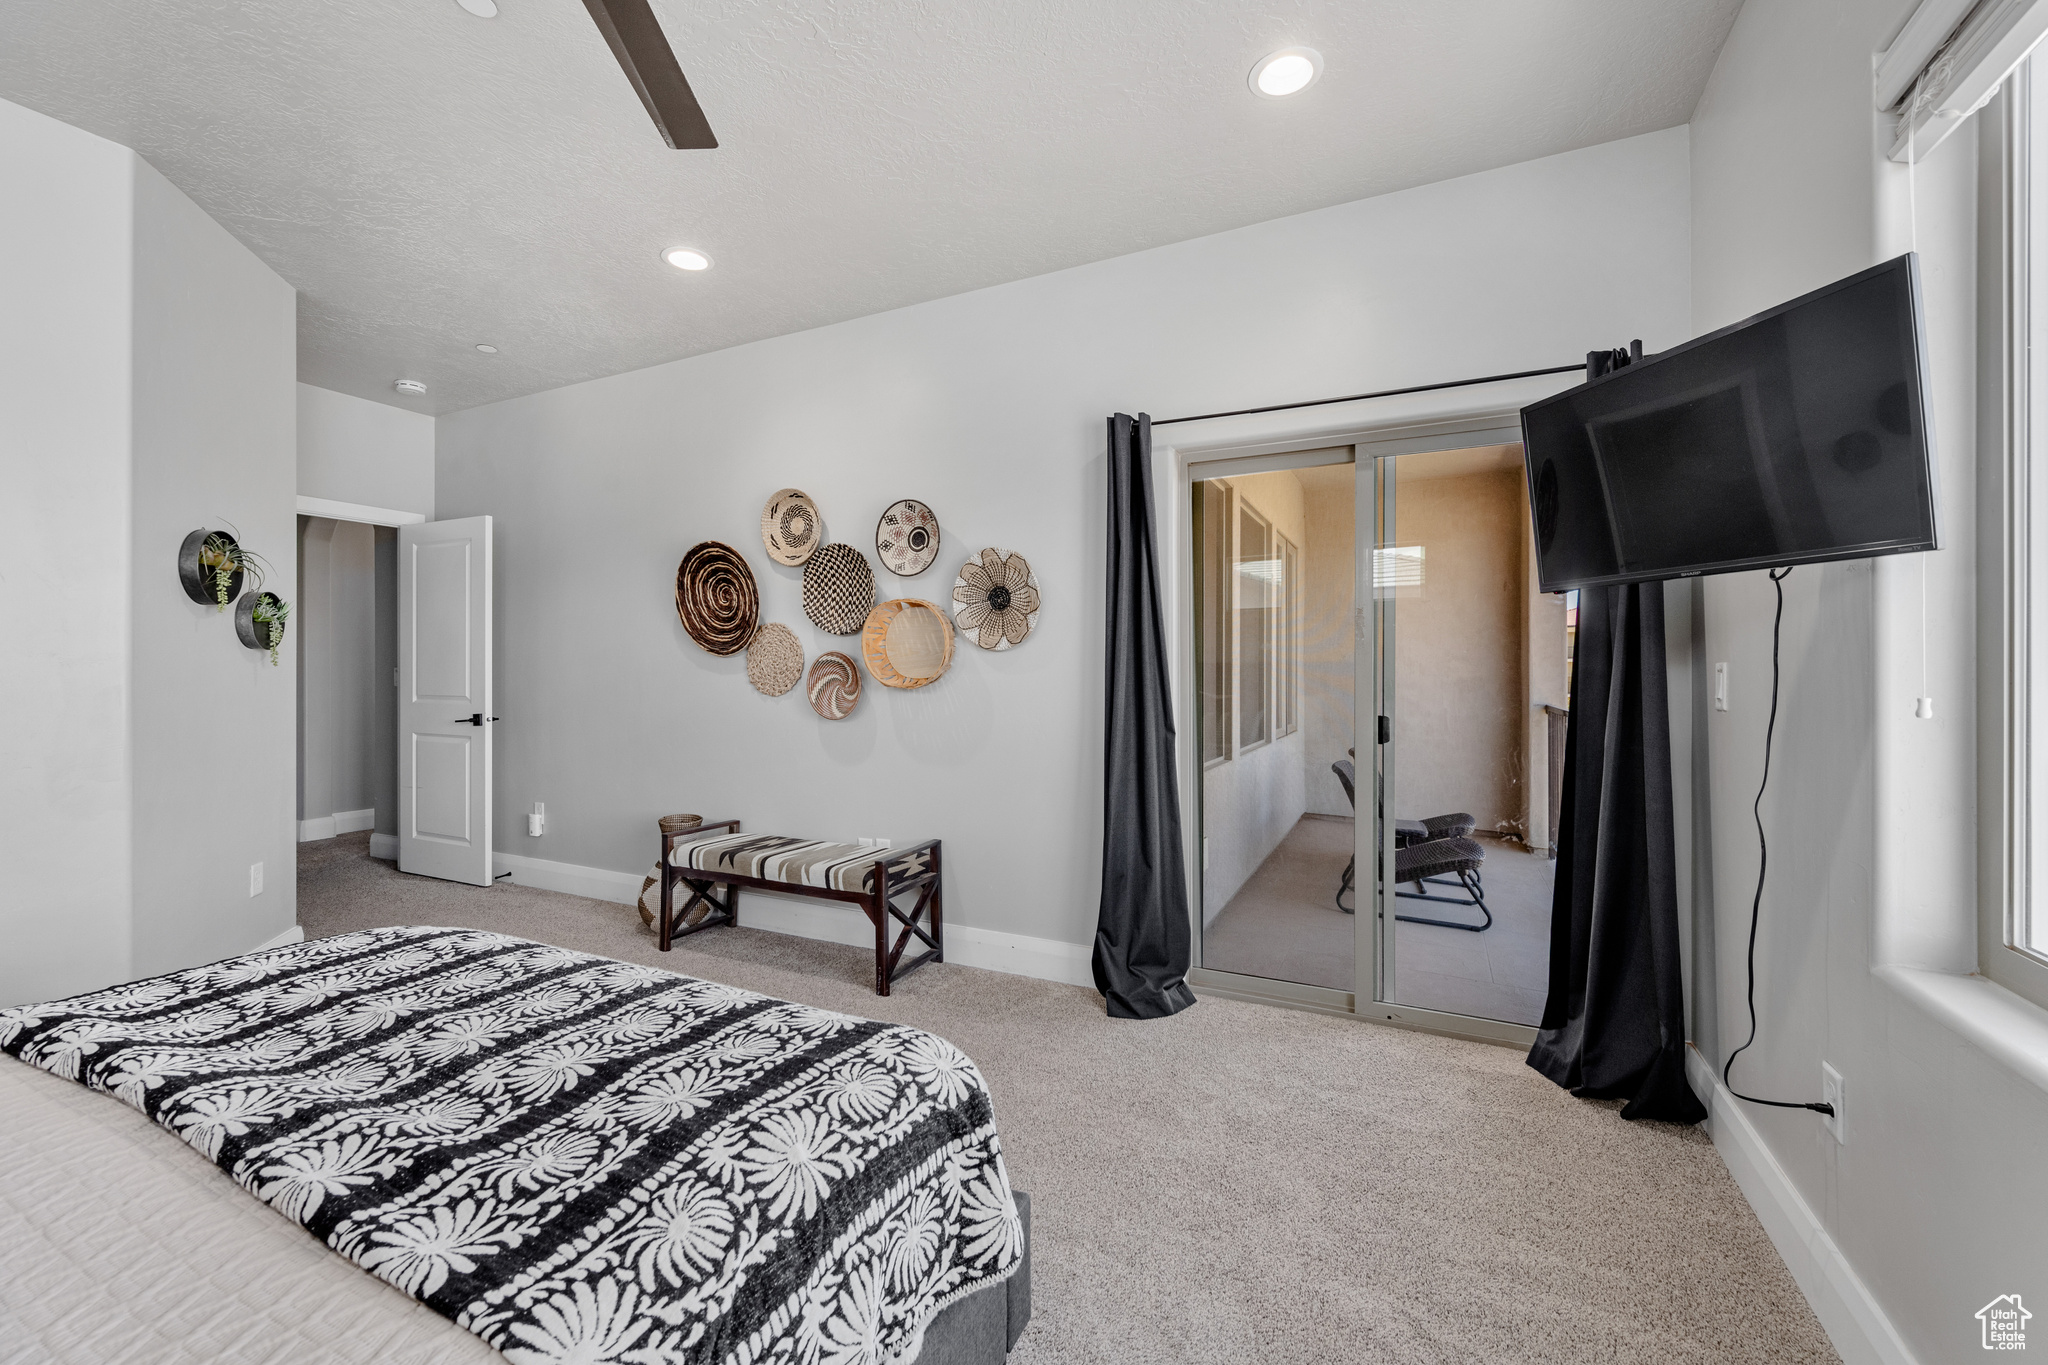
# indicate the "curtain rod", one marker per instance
pixel 1383 393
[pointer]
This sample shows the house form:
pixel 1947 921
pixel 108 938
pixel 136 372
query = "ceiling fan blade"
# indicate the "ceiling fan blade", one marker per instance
pixel 637 41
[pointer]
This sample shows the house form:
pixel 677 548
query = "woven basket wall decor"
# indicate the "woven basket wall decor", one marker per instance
pixel 775 661
pixel 907 538
pixel 791 527
pixel 716 597
pixel 907 643
pixel 834 687
pixel 839 589
pixel 995 599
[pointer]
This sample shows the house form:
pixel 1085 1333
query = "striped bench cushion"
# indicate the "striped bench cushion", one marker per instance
pixel 804 862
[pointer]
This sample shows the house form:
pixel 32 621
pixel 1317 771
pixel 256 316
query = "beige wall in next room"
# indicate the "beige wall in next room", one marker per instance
pixel 1468 684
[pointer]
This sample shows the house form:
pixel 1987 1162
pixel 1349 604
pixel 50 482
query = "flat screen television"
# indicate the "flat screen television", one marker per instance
pixel 1797 436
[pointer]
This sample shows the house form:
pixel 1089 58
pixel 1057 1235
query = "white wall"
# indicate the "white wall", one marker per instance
pixel 1250 802
pixel 990 406
pixel 216 359
pixel 66 232
pixel 1935 1202
pixel 148 386
pixel 370 454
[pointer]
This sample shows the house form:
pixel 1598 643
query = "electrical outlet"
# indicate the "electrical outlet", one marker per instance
pixel 1831 1094
pixel 537 822
pixel 255 879
pixel 1720 687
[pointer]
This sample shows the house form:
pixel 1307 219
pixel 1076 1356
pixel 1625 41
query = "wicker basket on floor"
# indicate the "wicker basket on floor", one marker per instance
pixel 650 886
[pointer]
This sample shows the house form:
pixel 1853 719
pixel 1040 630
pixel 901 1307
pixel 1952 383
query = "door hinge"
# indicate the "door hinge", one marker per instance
pixel 1386 730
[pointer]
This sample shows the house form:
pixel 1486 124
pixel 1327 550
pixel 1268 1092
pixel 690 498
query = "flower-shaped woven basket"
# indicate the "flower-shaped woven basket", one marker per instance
pixel 791 527
pixel 907 538
pixel 716 597
pixel 839 589
pixel 775 661
pixel 907 643
pixel 834 686
pixel 995 599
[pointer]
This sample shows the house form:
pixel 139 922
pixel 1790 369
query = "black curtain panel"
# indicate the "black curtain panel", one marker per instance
pixel 1141 935
pixel 1614 1024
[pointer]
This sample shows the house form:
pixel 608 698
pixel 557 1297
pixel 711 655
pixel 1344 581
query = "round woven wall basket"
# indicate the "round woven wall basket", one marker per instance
pixel 775 661
pixel 907 538
pixel 995 599
pixel 839 589
pixel 907 643
pixel 716 597
pixel 834 687
pixel 791 527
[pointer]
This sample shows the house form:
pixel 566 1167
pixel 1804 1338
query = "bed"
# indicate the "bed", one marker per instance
pixel 538 1155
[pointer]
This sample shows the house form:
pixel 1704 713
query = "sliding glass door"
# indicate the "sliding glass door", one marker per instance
pixel 1273 605
pixel 1376 687
pixel 1468 674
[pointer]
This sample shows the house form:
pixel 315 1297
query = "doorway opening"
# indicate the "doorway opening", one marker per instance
pixel 346 627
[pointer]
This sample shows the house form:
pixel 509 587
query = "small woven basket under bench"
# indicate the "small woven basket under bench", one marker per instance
pixel 875 879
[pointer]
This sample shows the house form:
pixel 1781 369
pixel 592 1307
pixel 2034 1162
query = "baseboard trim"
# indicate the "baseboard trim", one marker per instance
pixel 341 822
pixel 295 934
pixel 1848 1312
pixel 384 846
pixel 1017 954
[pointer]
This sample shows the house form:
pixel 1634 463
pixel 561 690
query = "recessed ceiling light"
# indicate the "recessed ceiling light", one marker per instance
pixel 1289 71
pixel 686 258
pixel 486 349
pixel 482 9
pixel 411 388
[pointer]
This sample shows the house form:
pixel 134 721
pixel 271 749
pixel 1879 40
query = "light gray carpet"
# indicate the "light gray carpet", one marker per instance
pixel 1244 1184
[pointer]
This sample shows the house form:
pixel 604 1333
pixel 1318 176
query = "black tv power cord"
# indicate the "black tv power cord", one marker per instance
pixel 1778 577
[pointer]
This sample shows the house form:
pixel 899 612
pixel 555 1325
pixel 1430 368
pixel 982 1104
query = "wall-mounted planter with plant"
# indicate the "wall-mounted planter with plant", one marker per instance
pixel 213 568
pixel 259 621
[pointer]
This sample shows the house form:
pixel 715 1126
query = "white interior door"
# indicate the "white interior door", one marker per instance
pixel 444 700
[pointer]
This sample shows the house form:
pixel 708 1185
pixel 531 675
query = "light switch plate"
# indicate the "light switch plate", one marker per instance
pixel 255 879
pixel 1831 1094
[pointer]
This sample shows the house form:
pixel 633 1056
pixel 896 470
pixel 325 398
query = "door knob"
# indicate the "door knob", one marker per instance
pixel 476 718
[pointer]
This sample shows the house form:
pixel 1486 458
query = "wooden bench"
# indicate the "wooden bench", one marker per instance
pixel 875 879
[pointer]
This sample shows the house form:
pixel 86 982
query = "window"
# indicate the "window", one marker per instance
pixel 1248 603
pixel 1212 609
pixel 1287 691
pixel 2013 933
pixel 1257 579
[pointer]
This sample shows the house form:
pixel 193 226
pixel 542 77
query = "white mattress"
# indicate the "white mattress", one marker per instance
pixel 120 1245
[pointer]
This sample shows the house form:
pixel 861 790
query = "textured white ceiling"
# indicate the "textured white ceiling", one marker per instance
pixel 429 180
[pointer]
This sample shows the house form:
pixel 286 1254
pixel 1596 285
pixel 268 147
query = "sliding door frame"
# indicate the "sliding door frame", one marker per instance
pixel 1262 443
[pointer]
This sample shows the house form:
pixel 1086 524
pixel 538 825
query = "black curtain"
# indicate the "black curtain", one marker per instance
pixel 1141 934
pixel 1614 1024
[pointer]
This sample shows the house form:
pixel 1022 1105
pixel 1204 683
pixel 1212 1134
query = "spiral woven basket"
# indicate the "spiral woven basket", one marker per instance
pixel 716 597
pixel 834 688
pixel 791 528
pixel 775 661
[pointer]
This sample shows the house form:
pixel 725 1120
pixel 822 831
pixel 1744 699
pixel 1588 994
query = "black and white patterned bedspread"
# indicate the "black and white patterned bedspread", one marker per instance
pixel 576 1159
